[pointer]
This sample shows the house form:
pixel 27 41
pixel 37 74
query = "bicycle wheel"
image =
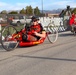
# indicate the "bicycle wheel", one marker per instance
pixel 74 31
pixel 6 35
pixel 52 33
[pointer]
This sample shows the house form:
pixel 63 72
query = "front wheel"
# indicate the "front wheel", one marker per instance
pixel 7 41
pixel 52 33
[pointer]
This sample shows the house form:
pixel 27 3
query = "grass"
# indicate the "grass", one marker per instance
pixel 17 27
pixel 11 30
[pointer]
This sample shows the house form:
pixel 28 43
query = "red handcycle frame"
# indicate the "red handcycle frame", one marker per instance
pixel 14 38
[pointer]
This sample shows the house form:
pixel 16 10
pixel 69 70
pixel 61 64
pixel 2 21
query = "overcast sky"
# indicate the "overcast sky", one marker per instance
pixel 47 4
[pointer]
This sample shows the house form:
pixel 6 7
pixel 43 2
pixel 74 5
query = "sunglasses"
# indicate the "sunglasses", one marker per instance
pixel 34 20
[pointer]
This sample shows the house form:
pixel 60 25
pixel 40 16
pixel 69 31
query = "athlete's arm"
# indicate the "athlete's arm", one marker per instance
pixel 42 35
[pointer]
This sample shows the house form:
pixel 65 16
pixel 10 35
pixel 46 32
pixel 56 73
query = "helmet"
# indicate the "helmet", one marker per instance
pixel 34 18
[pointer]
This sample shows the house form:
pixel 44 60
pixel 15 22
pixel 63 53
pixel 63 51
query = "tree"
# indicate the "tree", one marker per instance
pixel 4 12
pixel 13 12
pixel 29 10
pixel 22 11
pixel 74 10
pixel 37 11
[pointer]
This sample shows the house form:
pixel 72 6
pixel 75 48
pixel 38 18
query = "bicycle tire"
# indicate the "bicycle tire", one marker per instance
pixel 7 33
pixel 52 33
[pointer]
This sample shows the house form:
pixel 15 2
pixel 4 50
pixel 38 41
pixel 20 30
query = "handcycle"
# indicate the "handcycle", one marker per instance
pixel 13 38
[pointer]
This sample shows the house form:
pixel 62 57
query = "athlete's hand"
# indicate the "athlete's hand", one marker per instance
pixel 35 33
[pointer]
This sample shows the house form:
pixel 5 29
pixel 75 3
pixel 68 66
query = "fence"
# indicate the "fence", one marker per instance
pixel 58 22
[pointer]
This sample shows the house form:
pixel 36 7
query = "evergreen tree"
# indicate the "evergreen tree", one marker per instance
pixel 29 10
pixel 4 12
pixel 22 11
pixel 13 12
pixel 74 10
pixel 37 11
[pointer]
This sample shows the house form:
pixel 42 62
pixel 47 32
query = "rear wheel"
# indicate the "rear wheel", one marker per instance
pixel 6 35
pixel 52 33
pixel 74 31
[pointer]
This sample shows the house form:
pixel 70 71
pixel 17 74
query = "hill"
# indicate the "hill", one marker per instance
pixel 52 11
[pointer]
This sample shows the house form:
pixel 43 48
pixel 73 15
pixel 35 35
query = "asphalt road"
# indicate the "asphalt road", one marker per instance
pixel 44 59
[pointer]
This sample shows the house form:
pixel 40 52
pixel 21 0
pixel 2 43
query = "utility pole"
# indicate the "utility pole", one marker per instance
pixel 33 12
pixel 42 6
pixel 42 9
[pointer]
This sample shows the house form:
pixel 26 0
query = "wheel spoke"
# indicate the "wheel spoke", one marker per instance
pixel 52 33
pixel 8 42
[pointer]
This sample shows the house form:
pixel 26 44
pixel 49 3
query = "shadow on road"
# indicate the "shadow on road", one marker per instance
pixel 47 58
pixel 65 34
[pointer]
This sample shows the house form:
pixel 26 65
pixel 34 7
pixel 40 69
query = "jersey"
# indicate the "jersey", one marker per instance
pixel 30 36
pixel 35 28
pixel 73 20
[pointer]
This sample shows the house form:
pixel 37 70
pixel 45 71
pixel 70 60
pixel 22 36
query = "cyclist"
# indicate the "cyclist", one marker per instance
pixel 35 31
pixel 73 21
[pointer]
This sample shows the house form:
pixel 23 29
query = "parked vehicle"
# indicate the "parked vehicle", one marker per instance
pixel 2 20
pixel 18 20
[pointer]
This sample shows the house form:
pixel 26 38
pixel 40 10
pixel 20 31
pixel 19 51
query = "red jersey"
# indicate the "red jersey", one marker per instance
pixel 35 28
pixel 73 20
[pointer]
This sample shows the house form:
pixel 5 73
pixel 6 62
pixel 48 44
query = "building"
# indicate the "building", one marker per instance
pixel 53 15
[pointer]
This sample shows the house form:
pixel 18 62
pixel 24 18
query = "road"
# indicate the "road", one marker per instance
pixel 44 59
